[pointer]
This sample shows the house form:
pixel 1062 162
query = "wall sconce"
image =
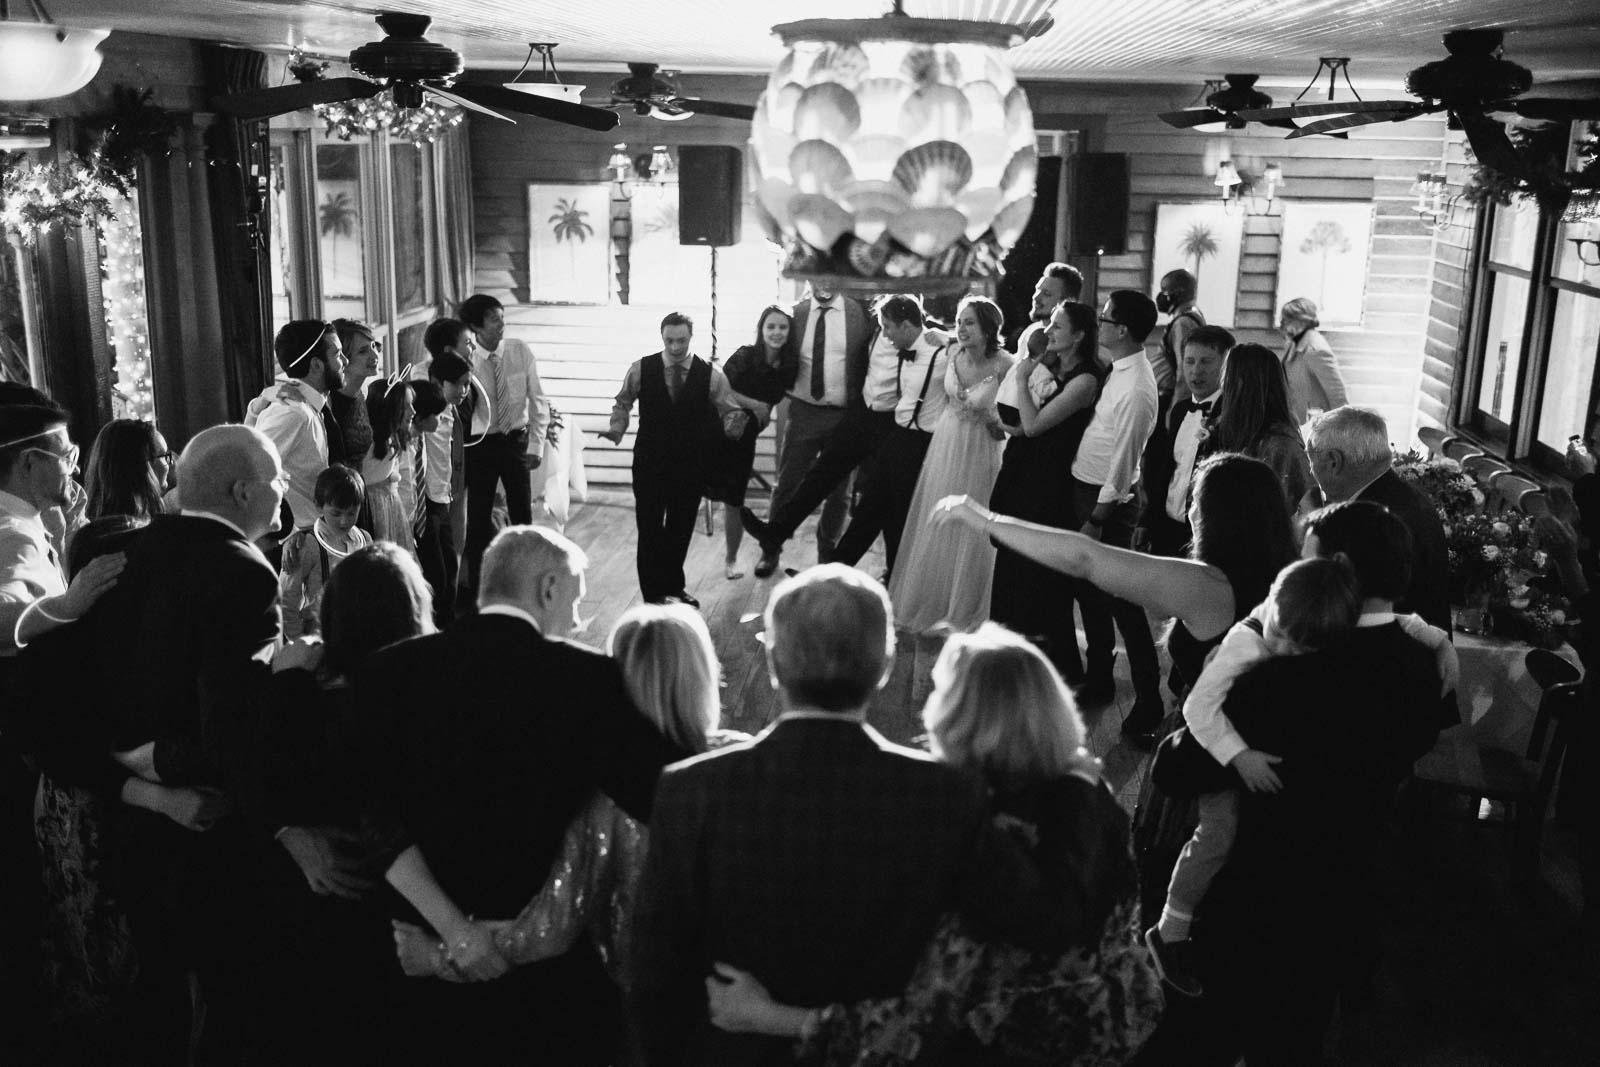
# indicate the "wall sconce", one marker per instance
pixel 662 166
pixel 1584 206
pixel 619 165
pixel 1434 202
pixel 1238 189
pixel 1587 247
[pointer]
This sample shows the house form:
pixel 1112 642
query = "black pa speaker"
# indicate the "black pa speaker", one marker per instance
pixel 1098 200
pixel 710 195
pixel 1034 251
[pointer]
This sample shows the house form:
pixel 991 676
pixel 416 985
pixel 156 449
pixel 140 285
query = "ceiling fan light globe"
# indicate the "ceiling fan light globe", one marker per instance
pixel 39 61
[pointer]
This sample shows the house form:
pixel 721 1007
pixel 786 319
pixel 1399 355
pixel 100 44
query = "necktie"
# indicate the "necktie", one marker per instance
pixel 502 396
pixel 819 355
pixel 419 481
pixel 675 380
pixel 334 448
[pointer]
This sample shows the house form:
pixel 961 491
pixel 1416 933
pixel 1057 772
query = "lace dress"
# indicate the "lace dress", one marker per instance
pixel 390 519
pixel 943 576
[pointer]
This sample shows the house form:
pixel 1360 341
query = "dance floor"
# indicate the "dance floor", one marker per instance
pixel 1475 975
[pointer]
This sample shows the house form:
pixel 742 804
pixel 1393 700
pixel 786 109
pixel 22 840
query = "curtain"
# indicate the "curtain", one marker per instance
pixel 454 175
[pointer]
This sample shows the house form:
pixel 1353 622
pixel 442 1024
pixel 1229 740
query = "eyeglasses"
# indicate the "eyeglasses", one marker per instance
pixel 69 458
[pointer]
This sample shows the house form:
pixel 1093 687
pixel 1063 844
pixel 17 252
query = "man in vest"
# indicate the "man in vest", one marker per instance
pixel 682 402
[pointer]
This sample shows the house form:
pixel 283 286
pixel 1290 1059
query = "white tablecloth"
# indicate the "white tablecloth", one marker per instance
pixel 1498 697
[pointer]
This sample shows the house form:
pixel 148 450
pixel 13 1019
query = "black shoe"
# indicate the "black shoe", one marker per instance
pixel 1096 692
pixel 682 597
pixel 1174 962
pixel 767 563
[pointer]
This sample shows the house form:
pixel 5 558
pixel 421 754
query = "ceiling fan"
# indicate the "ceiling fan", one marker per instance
pixel 414 68
pixel 1472 83
pixel 1225 105
pixel 651 91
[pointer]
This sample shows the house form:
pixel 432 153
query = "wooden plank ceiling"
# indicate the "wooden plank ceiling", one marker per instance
pixel 1180 40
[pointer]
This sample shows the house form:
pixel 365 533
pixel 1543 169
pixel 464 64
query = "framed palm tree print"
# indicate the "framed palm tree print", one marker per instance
pixel 1326 246
pixel 569 242
pixel 1206 241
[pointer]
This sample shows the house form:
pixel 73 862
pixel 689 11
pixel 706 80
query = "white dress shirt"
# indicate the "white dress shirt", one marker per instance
pixel 513 361
pixel 295 426
pixel 926 369
pixel 30 569
pixel 1108 455
pixel 721 393
pixel 833 347
pixel 436 445
pixel 1185 450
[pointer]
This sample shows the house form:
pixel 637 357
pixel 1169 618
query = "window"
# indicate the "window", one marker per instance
pixel 1530 381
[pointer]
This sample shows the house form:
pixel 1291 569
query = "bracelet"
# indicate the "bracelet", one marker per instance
pixel 38 605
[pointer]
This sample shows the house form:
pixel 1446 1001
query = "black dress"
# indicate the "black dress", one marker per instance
pixel 1035 484
pixel 749 374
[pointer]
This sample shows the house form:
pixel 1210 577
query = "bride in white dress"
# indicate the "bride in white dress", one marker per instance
pixel 943 576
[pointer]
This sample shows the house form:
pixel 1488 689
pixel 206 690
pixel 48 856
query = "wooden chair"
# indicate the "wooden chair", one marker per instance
pixel 1458 764
pixel 1459 449
pixel 1508 490
pixel 1433 438
pixel 1483 468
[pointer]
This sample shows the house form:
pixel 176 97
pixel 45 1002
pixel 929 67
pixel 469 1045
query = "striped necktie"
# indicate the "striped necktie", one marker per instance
pixel 419 479
pixel 502 396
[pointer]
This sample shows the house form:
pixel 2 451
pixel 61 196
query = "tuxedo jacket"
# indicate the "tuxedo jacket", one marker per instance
pixel 481 744
pixel 1429 593
pixel 1158 464
pixel 819 857
pixel 860 330
pixel 181 647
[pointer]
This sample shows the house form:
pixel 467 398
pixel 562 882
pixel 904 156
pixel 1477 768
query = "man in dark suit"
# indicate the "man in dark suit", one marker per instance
pixel 1175 448
pixel 1351 459
pixel 182 646
pixel 482 745
pixel 835 336
pixel 819 856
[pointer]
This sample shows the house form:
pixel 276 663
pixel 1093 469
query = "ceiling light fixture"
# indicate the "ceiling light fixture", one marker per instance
pixel 40 60
pixel 1434 201
pixel 21 133
pixel 550 84
pixel 896 153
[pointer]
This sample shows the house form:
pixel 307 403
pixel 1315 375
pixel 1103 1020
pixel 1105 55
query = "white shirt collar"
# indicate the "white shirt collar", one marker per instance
pixel 1375 618
pixel 1122 363
pixel 513 611
pixel 12 504
pixel 196 513
pixel 828 716
pixel 1208 399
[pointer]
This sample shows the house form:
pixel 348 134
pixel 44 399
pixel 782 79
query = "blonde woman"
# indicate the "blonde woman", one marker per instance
pixel 1309 365
pixel 672 674
pixel 999 709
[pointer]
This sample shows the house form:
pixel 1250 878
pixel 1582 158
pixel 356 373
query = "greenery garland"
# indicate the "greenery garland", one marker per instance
pixel 82 187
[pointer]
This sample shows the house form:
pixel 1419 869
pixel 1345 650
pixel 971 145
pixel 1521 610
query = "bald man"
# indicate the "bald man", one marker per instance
pixel 183 646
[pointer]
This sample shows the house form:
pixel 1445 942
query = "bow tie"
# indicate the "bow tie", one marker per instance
pixel 1203 407
pixel 907 355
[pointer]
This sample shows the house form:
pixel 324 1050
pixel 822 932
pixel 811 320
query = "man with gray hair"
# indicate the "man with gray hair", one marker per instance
pixel 1351 459
pixel 486 742
pixel 788 856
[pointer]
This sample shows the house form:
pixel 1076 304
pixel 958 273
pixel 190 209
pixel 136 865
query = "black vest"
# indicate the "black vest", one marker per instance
pixel 676 437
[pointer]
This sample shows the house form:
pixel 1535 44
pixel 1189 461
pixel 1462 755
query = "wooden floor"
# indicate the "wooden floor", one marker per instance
pixel 733 611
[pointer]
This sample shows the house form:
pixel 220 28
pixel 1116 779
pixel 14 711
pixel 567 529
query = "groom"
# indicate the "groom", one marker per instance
pixel 788 856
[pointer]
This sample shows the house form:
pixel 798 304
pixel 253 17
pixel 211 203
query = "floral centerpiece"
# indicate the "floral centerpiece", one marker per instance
pixel 1496 564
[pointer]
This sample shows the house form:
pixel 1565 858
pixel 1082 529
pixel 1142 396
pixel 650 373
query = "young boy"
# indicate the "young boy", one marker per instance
pixel 309 555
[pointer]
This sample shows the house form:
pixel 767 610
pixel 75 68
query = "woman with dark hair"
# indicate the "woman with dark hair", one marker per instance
pixel 1035 481
pixel 362 351
pixel 1253 419
pixel 128 473
pixel 943 578
pixel 759 375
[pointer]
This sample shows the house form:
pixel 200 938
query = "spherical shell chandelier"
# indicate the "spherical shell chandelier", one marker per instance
pixel 40 60
pixel 894 153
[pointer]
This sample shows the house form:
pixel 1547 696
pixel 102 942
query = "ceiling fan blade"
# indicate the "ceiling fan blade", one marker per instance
pixel 282 99
pixel 1198 116
pixel 1348 122
pixel 1331 107
pixel 1281 124
pixel 1489 142
pixel 1554 110
pixel 746 112
pixel 503 99
pixel 462 101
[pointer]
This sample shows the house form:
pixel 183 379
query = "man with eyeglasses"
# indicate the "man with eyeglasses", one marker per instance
pixel 36 465
pixel 1105 476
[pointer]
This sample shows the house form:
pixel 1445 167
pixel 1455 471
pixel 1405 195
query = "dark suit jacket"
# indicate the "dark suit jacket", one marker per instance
pixel 1158 464
pixel 859 331
pixel 1429 595
pixel 182 645
pixel 819 857
pixel 481 744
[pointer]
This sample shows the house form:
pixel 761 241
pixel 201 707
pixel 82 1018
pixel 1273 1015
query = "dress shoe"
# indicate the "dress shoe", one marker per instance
pixel 1174 962
pixel 766 564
